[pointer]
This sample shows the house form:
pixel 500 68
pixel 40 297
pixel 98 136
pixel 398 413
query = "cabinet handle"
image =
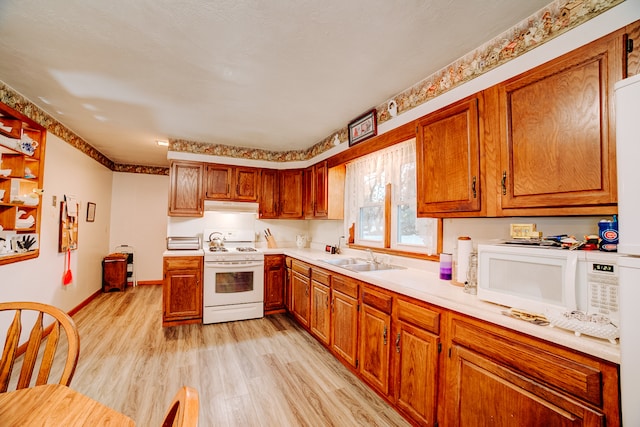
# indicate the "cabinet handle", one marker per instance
pixel 398 343
pixel 333 305
pixel 306 290
pixel 504 183
pixel 473 187
pixel 384 335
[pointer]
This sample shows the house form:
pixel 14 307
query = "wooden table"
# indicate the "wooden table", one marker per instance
pixel 56 405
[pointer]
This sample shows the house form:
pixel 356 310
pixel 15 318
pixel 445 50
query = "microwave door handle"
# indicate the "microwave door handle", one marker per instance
pixel 570 280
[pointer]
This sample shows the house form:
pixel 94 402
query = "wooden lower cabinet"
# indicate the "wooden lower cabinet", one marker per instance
pixel 344 319
pixel 319 323
pixel 182 290
pixel 301 292
pixel 439 367
pixel 416 362
pixel 288 277
pixel 274 284
pixel 375 336
pixel 500 378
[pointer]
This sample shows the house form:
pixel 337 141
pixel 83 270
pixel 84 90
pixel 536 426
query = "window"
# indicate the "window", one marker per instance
pixel 387 178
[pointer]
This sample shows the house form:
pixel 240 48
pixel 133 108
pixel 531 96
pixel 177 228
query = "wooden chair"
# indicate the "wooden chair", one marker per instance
pixel 48 336
pixel 183 411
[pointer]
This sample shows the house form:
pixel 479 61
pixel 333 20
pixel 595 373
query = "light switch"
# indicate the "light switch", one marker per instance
pixel 54 201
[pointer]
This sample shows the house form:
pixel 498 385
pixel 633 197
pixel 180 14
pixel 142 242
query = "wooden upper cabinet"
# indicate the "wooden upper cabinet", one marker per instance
pixel 633 57
pixel 218 182
pixel 246 184
pixel 281 193
pixel 269 193
pixel 291 193
pixel 316 183
pixel 185 191
pixel 557 131
pixel 225 182
pixel 448 159
pixel 319 203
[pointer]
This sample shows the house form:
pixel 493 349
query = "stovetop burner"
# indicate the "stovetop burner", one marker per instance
pixel 246 249
pixel 218 249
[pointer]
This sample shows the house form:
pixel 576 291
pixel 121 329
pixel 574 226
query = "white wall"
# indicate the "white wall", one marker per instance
pixel 66 171
pixel 139 219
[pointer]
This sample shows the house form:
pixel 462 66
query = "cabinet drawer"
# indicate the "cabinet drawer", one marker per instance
pixel 345 285
pixel 580 378
pixel 301 267
pixel 416 315
pixel 182 263
pixel 321 276
pixel 376 299
pixel 288 261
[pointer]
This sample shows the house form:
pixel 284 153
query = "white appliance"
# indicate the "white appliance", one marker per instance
pixel 549 280
pixel 233 276
pixel 627 102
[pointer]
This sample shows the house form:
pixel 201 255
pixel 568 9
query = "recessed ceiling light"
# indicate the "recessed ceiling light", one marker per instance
pixel 163 143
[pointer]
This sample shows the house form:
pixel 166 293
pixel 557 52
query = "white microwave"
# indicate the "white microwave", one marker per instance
pixel 543 279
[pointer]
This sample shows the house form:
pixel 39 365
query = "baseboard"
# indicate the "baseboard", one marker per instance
pixel 149 282
pixel 84 303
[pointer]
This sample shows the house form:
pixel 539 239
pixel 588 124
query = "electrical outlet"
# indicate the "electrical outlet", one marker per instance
pixel 54 201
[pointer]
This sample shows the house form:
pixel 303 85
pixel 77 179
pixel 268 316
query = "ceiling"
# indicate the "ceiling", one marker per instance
pixel 277 75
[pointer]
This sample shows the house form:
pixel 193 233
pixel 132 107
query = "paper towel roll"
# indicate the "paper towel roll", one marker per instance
pixel 465 247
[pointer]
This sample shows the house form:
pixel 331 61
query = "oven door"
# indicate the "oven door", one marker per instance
pixel 233 282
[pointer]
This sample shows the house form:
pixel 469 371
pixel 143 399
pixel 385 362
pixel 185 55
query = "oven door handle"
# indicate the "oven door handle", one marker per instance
pixel 233 265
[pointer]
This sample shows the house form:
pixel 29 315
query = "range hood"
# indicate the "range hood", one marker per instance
pixel 222 206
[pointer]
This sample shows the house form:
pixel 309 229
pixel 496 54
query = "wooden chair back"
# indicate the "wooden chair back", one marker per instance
pixel 183 411
pixel 48 337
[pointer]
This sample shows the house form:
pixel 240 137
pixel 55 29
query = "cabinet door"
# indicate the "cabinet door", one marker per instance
pixel 291 193
pixel 320 316
pixel 309 194
pixel 301 298
pixel 185 192
pixel 274 277
pixel 218 182
pixel 344 327
pixel 288 292
pixel 320 183
pixel 486 393
pixel 448 159
pixel 375 333
pixel 416 371
pixel 269 193
pixel 246 184
pixel 557 130
pixel 182 290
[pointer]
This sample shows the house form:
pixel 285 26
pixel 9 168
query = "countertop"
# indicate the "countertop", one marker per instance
pixel 423 283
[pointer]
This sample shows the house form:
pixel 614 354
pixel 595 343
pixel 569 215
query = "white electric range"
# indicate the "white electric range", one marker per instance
pixel 233 276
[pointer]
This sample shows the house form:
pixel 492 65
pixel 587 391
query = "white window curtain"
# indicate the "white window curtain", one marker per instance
pixel 366 179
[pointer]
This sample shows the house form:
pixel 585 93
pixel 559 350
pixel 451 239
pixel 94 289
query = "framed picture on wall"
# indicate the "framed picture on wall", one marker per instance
pixel 364 127
pixel 91 212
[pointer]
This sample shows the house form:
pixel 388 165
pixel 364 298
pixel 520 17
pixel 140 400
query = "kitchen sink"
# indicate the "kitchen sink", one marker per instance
pixel 343 261
pixel 359 264
pixel 370 266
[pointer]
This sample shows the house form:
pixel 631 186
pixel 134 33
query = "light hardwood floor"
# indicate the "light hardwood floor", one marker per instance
pixel 263 372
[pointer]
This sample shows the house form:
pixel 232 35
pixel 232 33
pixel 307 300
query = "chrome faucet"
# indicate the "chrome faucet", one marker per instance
pixel 338 247
pixel 372 258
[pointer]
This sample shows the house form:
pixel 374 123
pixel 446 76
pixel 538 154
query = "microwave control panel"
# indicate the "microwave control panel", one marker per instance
pixel 602 281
